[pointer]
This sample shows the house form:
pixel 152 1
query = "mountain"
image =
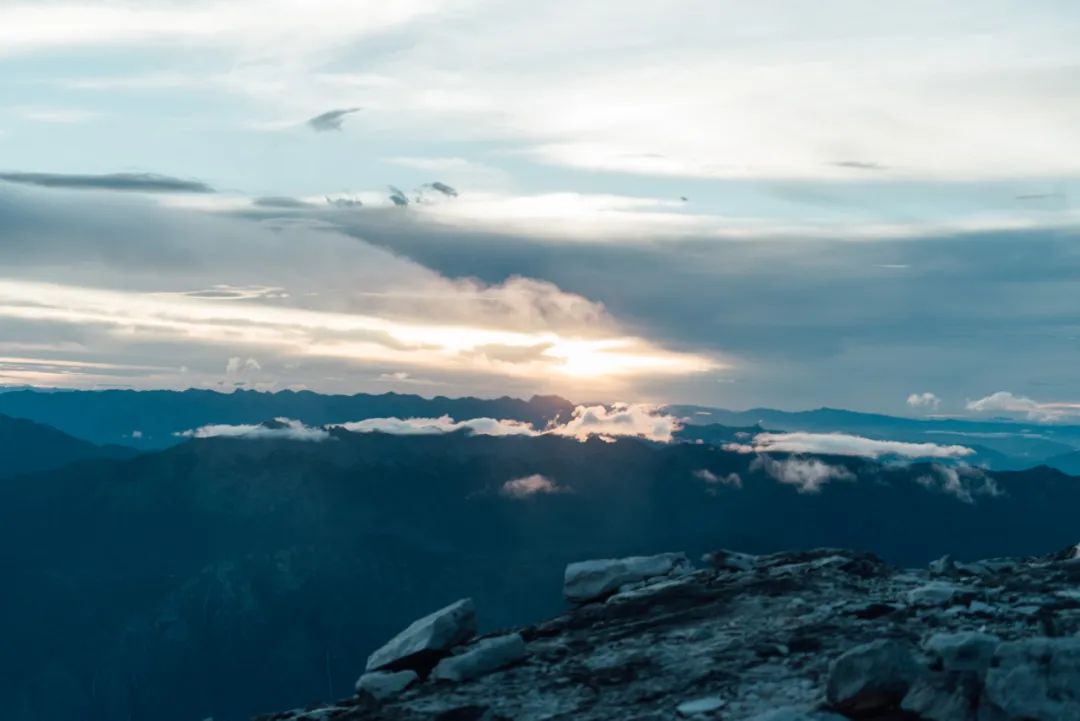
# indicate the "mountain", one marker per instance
pixel 822 635
pixel 27 447
pixel 149 419
pixel 227 576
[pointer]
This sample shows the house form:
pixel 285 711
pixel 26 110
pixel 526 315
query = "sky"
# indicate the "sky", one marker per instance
pixel 783 203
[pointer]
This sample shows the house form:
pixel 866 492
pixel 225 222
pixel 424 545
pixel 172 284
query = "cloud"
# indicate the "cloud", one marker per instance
pixel 293 29
pixel 237 366
pixel 283 428
pixel 280 201
pixel 619 419
pixel 136 182
pixel 924 401
pixel 808 474
pixel 962 481
pixel 529 486
pixel 842 444
pixel 731 479
pixel 331 120
pixel 1006 402
pixel 442 188
pixel 311 302
pixel 437 426
pixel 397 196
pixel 858 165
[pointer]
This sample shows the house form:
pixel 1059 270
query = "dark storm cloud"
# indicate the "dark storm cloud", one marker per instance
pixel 331 120
pixel 140 182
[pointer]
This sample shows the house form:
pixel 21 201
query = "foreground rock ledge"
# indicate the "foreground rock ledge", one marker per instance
pixel 819 635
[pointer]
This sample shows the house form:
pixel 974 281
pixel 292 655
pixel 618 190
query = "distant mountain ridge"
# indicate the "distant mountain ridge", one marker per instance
pixel 28 447
pixel 149 419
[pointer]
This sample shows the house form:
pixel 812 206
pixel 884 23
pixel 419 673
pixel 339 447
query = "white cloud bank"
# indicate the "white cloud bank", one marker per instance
pixel 436 426
pixel 608 422
pixel 283 428
pixel 1011 404
pixel 842 444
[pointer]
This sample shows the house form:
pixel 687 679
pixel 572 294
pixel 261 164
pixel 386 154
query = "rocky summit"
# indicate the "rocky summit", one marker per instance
pixel 821 635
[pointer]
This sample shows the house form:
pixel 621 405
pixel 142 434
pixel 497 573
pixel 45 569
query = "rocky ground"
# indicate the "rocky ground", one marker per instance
pixel 818 635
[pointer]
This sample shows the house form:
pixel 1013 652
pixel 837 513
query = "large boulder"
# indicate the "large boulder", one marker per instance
pixel 384 684
pixel 946 696
pixel 591 580
pixel 873 676
pixel 1036 679
pixel 426 640
pixel 481 658
pixel 964 651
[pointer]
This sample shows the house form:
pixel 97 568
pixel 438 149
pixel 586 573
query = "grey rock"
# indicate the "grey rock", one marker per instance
pixel 935 593
pixel 700 706
pixel 871 676
pixel 944 566
pixel 964 651
pixel 431 635
pixel 591 580
pixel 796 714
pixel 384 684
pixel 944 697
pixel 724 560
pixel 481 658
pixel 1035 679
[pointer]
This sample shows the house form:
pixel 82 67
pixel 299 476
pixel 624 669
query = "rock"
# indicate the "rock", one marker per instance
pixel 944 566
pixel 700 706
pixel 591 580
pixel 964 651
pixel 384 684
pixel 481 658
pixel 1036 679
pixel 944 697
pixel 724 560
pixel 427 639
pixel 796 714
pixel 935 593
pixel 872 676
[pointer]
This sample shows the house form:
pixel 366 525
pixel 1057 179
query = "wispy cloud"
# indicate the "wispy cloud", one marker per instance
pixel 962 481
pixel 809 475
pixel 924 401
pixel 529 486
pixel 140 182
pixel 331 120
pixel 1011 404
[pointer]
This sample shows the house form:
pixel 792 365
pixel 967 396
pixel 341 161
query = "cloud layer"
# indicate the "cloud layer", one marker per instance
pixel 843 444
pixel 620 420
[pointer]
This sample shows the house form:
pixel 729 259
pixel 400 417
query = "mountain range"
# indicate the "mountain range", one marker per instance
pixel 225 576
